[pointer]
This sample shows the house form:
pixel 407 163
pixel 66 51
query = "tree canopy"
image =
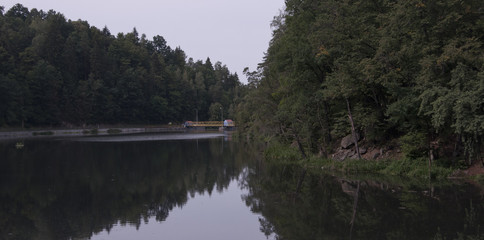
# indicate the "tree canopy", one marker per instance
pixel 59 72
pixel 394 67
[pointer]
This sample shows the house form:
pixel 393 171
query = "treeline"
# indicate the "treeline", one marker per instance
pixel 58 72
pixel 406 70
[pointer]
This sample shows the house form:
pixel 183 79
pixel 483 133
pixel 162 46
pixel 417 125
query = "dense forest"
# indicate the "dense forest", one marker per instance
pixel 387 70
pixel 58 72
pixel 383 70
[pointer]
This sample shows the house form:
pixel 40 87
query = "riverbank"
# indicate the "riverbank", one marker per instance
pixel 403 167
pixel 12 134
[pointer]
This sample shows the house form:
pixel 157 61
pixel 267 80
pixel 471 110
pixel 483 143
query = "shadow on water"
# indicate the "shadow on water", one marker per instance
pixel 57 189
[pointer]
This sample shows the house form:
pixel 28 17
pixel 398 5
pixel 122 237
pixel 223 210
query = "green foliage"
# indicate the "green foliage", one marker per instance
pixel 216 112
pixel 416 168
pixel 412 168
pixel 281 154
pixel 56 72
pixel 402 66
pixel 414 145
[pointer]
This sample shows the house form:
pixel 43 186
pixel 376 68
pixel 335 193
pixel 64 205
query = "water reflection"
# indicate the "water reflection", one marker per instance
pixel 64 189
pixel 57 189
pixel 329 207
pixel 216 216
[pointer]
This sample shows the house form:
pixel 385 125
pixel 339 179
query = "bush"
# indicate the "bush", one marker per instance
pixel 414 145
pixel 416 168
pixel 280 153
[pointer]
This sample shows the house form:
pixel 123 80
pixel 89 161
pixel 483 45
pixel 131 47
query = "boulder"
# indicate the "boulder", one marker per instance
pixel 355 154
pixel 348 141
pixel 341 155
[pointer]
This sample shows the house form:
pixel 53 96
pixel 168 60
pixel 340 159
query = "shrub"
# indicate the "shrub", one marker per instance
pixel 281 153
pixel 414 145
pixel 416 168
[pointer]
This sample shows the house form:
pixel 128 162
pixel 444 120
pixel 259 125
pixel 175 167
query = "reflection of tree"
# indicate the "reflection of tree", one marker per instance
pixel 335 208
pixel 355 207
pixel 62 190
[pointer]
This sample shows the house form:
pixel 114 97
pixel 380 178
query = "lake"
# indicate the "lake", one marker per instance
pixel 208 186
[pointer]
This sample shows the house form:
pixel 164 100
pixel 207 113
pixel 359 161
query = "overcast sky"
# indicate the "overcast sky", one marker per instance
pixel 234 32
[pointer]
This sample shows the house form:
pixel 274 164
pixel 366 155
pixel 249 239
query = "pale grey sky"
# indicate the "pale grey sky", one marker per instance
pixel 234 32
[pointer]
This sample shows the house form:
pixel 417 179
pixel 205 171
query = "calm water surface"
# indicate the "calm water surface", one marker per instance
pixel 206 186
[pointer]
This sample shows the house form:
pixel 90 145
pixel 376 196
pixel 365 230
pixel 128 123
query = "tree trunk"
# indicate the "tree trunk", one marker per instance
pixel 326 128
pixel 301 148
pixel 353 131
pixel 431 158
pixel 327 121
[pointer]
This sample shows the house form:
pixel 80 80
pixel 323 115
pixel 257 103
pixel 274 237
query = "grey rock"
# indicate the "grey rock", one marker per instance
pixel 348 141
pixel 341 155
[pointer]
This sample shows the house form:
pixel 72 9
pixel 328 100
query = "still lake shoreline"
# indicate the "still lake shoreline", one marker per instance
pixel 13 134
pixel 117 132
